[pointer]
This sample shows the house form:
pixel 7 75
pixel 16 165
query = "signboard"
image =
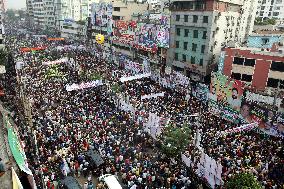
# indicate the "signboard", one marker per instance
pixel 145 37
pixel 124 32
pixel 101 14
pixel 225 97
pixel 221 62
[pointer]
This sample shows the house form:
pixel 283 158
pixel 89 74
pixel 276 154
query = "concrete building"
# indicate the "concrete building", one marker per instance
pixel 38 12
pixel 2 31
pixel 263 69
pixel 270 9
pixel 200 28
pixel 74 30
pixel 29 5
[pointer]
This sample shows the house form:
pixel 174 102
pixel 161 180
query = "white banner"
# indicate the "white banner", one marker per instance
pixel 152 95
pixel 59 61
pixel 83 85
pixel 123 79
pixel 2 69
pixel 245 127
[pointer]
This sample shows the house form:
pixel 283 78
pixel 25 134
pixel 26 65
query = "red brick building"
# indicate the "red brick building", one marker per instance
pixel 260 69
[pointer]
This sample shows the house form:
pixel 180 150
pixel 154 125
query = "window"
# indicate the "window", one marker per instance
pixel 177 17
pixel 246 78
pixel 278 1
pixel 186 32
pixel 201 62
pixel 178 31
pixel 262 7
pixel 194 46
pixel 195 19
pixel 277 66
pixel 205 19
pixel 249 62
pixel 238 61
pixel 236 76
pixel 275 14
pixel 116 9
pixel 204 36
pixel 192 60
pixel 202 49
pixel 177 44
pixel 195 33
pixel 264 41
pixel 272 82
pixel 184 57
pixel 185 18
pixel 185 45
pixel 176 56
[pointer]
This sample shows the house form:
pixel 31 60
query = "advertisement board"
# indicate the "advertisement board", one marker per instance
pixel 257 108
pixel 225 97
pixel 124 32
pixel 146 37
pixel 101 14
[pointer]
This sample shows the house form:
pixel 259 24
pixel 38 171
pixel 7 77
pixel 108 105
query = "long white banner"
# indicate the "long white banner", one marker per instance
pixel 59 61
pixel 245 127
pixel 83 85
pixel 139 76
pixel 152 95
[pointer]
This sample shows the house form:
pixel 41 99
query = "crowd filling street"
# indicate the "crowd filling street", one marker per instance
pixel 67 124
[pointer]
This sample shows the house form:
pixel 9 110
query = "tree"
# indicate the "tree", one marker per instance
pixel 243 181
pixel 175 140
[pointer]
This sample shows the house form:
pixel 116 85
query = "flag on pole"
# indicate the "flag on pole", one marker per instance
pixel 16 181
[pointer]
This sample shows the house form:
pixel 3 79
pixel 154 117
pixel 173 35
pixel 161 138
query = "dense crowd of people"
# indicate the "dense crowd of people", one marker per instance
pixel 67 124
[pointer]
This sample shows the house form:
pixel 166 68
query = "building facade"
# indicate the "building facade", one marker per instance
pixel 200 28
pixel 270 9
pixel 263 70
pixel 2 31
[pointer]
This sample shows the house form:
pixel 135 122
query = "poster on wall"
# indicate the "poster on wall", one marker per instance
pixel 124 32
pixel 201 91
pixel 225 97
pixel 145 37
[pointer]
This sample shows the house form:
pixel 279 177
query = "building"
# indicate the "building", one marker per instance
pixel 51 13
pixel 105 14
pixel 262 69
pixel 200 28
pixel 74 30
pixel 38 12
pixel 270 9
pixel 2 31
pixel 265 40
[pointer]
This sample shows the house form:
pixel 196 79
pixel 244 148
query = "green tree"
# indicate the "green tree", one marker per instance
pixel 243 181
pixel 175 140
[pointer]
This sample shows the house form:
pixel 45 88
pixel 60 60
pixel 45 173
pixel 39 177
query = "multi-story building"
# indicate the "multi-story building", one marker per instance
pixel 38 12
pixel 2 32
pixel 29 5
pixel 200 28
pixel 262 69
pixel 270 9
pixel 51 13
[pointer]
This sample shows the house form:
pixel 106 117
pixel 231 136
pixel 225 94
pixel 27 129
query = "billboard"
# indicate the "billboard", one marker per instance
pixel 101 14
pixel 124 32
pixel 225 97
pixel 163 36
pixel 146 37
pixel 257 108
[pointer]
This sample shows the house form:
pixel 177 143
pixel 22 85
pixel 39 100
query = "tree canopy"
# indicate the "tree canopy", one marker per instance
pixel 243 181
pixel 175 140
